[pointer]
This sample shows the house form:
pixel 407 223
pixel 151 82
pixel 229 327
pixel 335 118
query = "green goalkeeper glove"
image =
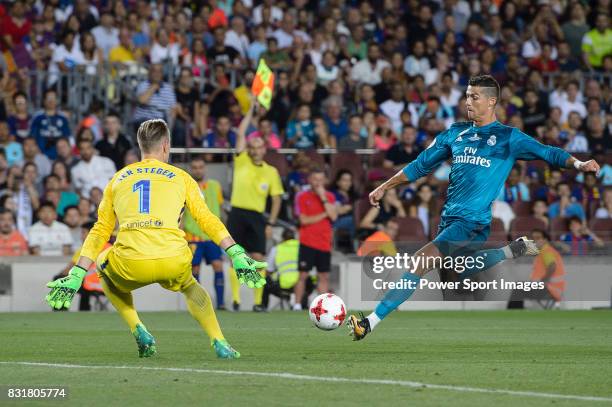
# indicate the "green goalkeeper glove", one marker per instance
pixel 63 289
pixel 246 268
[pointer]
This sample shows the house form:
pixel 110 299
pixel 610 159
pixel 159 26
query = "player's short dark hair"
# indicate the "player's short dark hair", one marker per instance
pixel 150 134
pixel 488 84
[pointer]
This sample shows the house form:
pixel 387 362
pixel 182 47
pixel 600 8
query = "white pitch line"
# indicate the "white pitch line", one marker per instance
pixel 284 375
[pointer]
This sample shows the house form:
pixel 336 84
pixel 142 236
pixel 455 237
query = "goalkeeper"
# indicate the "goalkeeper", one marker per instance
pixel 147 200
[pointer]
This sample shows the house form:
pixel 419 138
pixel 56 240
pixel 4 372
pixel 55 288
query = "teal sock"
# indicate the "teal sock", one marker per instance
pixel 489 257
pixel 393 298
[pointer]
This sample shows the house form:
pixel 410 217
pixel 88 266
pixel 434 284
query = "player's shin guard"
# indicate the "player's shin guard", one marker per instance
pixel 219 288
pixel 489 258
pixel 201 308
pixel 393 298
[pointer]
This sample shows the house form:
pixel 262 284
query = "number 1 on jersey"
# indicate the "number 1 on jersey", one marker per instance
pixel 144 193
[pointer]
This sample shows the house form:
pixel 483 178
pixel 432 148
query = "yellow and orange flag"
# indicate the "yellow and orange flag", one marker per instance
pixel 263 84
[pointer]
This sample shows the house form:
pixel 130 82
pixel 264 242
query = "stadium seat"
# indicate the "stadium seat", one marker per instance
pixel 602 228
pixel 315 157
pixel 410 230
pixel 377 159
pixel 277 160
pixel 558 226
pixel 378 174
pixel 524 225
pixel 522 208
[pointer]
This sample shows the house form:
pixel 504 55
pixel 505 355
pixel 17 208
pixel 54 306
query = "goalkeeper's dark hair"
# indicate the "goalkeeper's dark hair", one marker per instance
pixel 488 84
pixel 151 133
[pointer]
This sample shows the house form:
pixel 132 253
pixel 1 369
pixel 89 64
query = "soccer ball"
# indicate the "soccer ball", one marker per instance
pixel 327 311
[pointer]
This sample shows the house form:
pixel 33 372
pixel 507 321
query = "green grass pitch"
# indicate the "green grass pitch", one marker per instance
pixel 555 352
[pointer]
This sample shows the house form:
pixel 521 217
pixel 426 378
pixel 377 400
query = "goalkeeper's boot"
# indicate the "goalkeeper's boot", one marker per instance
pixel 358 327
pixel 524 247
pixel 224 350
pixel 145 341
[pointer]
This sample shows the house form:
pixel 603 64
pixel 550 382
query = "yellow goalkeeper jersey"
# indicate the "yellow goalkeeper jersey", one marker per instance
pixel 147 200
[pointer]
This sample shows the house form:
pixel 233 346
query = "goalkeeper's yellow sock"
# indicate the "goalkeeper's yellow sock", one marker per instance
pixel 258 295
pixel 201 308
pixel 235 285
pixel 123 303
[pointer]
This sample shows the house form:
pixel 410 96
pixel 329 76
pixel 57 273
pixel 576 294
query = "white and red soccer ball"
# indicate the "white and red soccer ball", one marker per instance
pixel 327 311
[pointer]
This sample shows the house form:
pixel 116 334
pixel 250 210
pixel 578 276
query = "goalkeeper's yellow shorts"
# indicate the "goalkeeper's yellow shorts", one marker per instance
pixel 172 273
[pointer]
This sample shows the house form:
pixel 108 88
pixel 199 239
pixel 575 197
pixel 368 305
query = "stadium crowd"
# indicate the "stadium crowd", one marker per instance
pixel 380 75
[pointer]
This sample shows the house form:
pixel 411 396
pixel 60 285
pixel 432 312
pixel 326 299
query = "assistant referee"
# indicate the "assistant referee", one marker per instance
pixel 253 181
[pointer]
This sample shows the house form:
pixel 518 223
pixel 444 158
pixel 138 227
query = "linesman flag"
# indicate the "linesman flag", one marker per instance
pixel 263 84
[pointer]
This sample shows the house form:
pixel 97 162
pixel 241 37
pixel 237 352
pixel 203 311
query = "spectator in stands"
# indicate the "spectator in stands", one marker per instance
pixel 548 192
pixel 345 198
pixel 221 136
pixel 156 98
pixel 370 70
pixel 316 210
pixel 403 152
pixel 12 243
pixel 12 149
pixel 163 51
pixel 300 131
pixel 275 57
pixel 62 171
pixel 336 122
pixel 66 56
pixel 575 29
pixel 605 211
pixel 15 27
pixel 48 237
pixel 114 144
pixel 599 138
pixel 393 107
pixel 24 196
pixel 539 210
pixel 258 46
pixel 571 102
pixel 358 136
pixel 49 125
pixel 533 112
pixel 588 192
pixel 72 219
pixel 125 52
pixel 266 133
pixel 417 63
pixel 424 206
pixel 580 238
pixel 514 189
pixel 196 59
pixel 565 60
pixel 565 206
pixel 221 54
pixel 92 170
pixel 93 57
pixel 597 43
pixel 19 121
pixel 188 116
pixel 375 218
pixel 31 154
pixel 236 36
pixel 64 152
pixel 63 198
pixel 576 142
pixel 384 137
pixel 106 34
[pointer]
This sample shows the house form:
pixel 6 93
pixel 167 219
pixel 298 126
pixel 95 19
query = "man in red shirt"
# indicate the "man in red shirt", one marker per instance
pixel 12 243
pixel 316 212
pixel 14 26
